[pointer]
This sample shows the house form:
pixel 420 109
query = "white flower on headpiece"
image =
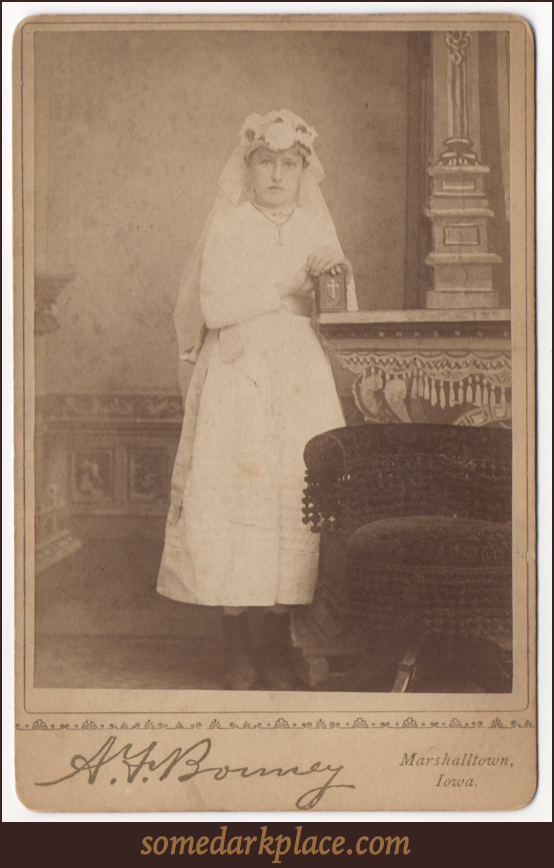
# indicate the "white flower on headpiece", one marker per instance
pixel 277 130
pixel 250 129
pixel 280 136
pixel 306 138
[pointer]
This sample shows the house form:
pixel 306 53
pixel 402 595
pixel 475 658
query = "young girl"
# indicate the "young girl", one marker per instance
pixel 261 388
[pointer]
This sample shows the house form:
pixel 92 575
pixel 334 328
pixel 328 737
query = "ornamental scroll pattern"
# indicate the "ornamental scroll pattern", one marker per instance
pixel 441 378
pixel 112 409
pixel 457 41
pixel 281 723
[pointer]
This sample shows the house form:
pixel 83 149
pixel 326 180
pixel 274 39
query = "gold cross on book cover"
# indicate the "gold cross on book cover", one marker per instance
pixel 331 292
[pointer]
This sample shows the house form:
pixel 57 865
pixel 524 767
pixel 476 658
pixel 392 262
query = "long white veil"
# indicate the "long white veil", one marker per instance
pixel 233 189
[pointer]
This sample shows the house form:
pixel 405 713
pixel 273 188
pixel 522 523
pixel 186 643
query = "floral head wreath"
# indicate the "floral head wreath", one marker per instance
pixel 278 131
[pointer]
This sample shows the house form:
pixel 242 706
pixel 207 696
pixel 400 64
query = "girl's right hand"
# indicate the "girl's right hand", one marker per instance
pixel 301 284
pixel 303 281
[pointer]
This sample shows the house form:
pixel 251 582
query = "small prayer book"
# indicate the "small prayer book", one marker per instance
pixel 331 292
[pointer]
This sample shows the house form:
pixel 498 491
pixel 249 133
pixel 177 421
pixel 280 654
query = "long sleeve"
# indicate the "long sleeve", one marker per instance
pixel 234 285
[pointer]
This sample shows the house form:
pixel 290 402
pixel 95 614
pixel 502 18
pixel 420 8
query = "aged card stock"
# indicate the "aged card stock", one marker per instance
pixel 413 665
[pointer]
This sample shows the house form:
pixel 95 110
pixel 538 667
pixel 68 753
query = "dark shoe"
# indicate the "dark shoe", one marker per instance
pixel 274 657
pixel 241 675
pixel 276 675
pixel 240 672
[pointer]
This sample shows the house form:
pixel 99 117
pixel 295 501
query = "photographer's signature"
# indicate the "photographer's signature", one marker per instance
pixel 194 759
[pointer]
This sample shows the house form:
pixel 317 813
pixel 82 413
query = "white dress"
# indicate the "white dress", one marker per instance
pixel 239 539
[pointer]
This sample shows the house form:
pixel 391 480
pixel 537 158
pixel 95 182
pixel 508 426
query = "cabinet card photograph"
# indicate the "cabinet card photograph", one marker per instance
pixel 274 334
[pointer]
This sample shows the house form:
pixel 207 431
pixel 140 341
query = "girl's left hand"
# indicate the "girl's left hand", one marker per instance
pixel 327 259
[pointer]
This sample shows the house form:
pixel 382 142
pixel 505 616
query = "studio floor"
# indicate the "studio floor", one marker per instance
pixel 101 625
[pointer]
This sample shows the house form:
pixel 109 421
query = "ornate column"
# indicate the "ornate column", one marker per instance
pixel 458 207
pixel 53 540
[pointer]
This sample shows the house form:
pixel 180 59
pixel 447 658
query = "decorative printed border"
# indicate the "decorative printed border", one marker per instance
pixel 281 723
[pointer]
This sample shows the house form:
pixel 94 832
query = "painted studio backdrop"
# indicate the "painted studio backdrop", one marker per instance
pixel 131 132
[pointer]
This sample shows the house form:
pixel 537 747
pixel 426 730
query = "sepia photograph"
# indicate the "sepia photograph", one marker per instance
pixel 267 388
pixel 338 490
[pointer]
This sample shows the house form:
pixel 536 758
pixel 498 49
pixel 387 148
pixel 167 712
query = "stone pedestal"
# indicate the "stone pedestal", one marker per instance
pixel 458 207
pixel 461 259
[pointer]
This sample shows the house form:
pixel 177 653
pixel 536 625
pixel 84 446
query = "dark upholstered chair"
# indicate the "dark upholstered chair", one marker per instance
pixel 415 554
